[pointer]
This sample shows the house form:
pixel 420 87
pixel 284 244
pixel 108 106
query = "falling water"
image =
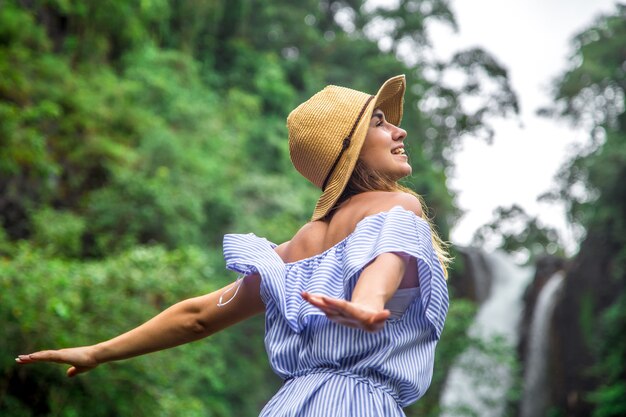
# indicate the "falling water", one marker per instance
pixel 535 400
pixel 478 382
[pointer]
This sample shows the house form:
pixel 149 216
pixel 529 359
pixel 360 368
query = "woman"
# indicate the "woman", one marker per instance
pixel 354 302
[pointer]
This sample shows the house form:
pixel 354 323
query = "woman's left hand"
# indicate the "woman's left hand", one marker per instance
pixel 348 313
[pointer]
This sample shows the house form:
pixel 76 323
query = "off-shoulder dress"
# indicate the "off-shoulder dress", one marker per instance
pixel 330 369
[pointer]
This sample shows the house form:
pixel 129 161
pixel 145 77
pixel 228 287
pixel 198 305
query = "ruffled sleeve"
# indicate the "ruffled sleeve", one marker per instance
pixel 281 284
pixel 249 254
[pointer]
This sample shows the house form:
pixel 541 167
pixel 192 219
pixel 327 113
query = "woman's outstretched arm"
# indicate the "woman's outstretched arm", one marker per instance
pixel 184 322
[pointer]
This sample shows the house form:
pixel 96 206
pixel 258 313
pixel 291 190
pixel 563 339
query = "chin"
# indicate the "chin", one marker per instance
pixel 402 174
pixel 405 172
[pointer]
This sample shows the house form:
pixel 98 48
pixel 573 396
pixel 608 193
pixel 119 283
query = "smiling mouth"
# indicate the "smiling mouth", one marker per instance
pixel 398 151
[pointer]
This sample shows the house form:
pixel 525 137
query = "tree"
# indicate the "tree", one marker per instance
pixel 514 231
pixel 591 94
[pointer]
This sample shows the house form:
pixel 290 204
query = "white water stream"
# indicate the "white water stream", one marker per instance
pixel 535 398
pixel 479 380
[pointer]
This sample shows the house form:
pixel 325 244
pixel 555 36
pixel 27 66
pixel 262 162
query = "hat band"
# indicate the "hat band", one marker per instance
pixel 346 143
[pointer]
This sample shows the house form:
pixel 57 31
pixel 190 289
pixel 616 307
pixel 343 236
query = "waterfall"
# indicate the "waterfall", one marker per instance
pixel 481 273
pixel 478 381
pixel 535 398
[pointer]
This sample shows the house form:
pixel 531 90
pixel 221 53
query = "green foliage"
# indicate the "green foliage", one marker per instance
pixel 265 209
pixel 592 92
pixel 5 244
pixel 58 232
pixel 587 320
pixel 610 395
pixel 554 412
pixel 179 168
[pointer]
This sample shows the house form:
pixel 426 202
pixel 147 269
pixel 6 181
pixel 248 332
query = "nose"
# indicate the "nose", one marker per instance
pixel 398 134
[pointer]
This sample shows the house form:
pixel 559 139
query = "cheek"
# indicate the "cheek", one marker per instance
pixel 371 158
pixel 366 153
pixel 373 148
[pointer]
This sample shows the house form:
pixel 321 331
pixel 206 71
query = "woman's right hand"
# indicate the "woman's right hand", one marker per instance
pixel 81 359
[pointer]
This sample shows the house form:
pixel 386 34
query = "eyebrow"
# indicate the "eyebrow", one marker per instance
pixel 378 114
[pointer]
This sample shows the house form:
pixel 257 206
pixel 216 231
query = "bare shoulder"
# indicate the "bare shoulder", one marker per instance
pixel 281 250
pixel 315 237
pixel 384 201
pixel 307 241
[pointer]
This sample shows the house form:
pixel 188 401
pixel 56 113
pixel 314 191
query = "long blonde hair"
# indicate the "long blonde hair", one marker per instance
pixel 364 179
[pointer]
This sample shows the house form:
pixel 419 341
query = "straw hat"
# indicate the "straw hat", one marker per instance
pixel 327 131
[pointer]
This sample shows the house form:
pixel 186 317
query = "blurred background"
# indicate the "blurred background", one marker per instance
pixel 134 134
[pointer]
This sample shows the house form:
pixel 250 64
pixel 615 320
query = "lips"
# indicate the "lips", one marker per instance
pixel 398 151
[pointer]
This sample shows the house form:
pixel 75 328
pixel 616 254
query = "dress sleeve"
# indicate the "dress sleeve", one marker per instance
pixel 248 254
pixel 281 286
pixel 402 231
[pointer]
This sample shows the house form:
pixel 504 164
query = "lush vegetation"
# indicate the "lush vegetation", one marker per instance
pixel 133 135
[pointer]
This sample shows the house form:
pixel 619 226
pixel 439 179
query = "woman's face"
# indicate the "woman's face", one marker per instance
pixel 383 149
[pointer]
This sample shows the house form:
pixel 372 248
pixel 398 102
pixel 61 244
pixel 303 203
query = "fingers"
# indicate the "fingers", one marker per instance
pixel 43 356
pixel 32 357
pixel 322 302
pixel 58 356
pixel 348 313
pixel 75 370
pixel 22 359
pixel 372 325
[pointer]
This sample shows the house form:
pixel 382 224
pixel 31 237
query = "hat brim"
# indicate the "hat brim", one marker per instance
pixel 390 99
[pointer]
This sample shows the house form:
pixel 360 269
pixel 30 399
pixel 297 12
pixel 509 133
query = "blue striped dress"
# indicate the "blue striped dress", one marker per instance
pixel 330 369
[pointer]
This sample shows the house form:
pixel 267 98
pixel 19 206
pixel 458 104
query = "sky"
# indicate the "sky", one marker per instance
pixel 531 38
